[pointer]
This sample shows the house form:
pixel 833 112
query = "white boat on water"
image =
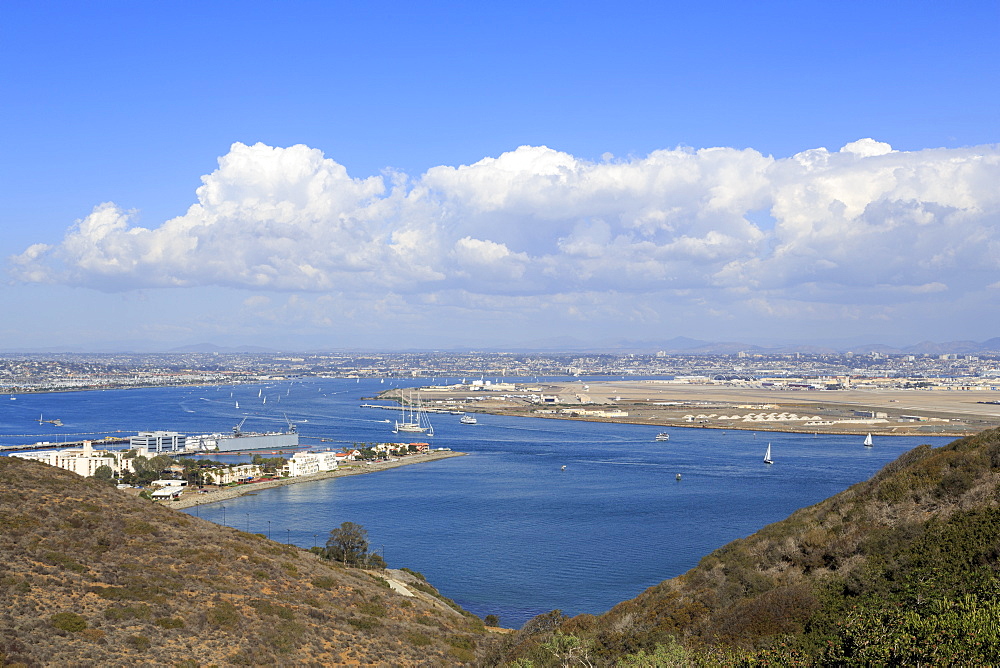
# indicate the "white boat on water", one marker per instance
pixel 414 420
pixel 468 419
pixel 767 455
pixel 868 441
pixel 662 436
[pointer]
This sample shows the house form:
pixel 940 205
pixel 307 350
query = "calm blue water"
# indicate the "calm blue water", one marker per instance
pixel 503 530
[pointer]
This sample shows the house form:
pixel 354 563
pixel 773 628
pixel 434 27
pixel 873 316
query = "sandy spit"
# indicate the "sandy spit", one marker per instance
pixel 194 498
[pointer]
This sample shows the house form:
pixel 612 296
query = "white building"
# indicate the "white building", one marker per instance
pixel 81 461
pixel 158 442
pixel 237 473
pixel 307 463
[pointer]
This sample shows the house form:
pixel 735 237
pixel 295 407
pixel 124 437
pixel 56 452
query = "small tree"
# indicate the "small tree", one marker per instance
pixel 104 473
pixel 375 560
pixel 348 544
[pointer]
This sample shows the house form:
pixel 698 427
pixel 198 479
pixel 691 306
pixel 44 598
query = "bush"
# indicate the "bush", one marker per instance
pixel 415 574
pixel 419 639
pixel 373 608
pixel 68 621
pixel 128 612
pixel 324 582
pixel 223 614
pixel 365 623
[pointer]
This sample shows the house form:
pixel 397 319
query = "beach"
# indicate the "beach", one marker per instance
pixel 195 497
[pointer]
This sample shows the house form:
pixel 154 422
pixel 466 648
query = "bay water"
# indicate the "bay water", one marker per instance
pixel 505 530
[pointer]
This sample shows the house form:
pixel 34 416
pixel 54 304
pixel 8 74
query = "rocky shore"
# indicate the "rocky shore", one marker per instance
pixel 196 497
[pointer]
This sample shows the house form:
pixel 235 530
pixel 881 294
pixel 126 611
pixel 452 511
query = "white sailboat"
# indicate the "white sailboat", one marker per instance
pixel 414 420
pixel 767 455
pixel 868 441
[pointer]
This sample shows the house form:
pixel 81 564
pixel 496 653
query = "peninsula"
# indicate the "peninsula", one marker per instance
pixel 197 497
pixel 783 405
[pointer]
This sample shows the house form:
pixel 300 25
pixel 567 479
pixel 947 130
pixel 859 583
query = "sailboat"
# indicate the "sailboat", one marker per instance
pixel 868 441
pixel 237 404
pixel 413 423
pixel 767 455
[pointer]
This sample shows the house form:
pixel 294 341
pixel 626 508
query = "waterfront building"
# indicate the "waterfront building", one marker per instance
pixel 237 473
pixel 307 463
pixel 81 461
pixel 158 442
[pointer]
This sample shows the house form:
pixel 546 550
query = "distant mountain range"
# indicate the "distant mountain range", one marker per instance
pixel 683 345
pixel 680 345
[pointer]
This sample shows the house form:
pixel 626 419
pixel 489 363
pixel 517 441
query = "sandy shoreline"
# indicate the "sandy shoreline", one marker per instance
pixel 193 497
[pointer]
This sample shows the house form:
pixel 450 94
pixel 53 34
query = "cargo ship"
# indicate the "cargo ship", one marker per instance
pixel 240 441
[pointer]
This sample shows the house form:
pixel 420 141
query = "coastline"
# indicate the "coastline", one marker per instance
pixel 194 497
pixel 881 430
pixel 849 412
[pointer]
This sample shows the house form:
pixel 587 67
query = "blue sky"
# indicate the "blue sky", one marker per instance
pixel 399 175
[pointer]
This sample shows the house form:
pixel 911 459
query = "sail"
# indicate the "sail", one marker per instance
pixel 868 440
pixel 767 455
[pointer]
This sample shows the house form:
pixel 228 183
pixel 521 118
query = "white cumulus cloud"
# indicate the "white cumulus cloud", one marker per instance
pixel 704 227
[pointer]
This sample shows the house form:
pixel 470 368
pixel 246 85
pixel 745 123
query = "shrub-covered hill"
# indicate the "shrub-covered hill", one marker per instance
pixel 903 569
pixel 91 576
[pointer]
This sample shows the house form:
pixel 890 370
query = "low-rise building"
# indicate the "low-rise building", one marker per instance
pixel 236 473
pixel 83 461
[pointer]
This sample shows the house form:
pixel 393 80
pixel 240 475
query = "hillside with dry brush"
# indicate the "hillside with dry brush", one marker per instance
pixel 902 569
pixel 91 576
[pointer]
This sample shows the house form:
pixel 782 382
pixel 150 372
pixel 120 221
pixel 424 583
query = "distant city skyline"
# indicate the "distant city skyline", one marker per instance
pixel 309 176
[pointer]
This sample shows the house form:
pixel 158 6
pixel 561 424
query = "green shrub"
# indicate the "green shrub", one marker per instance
pixel 128 612
pixel 223 614
pixel 66 562
pixel 138 528
pixel 141 643
pixel 418 639
pixel 265 607
pixel 365 623
pixel 170 622
pixel 373 608
pixel 415 574
pixel 68 621
pixel 324 582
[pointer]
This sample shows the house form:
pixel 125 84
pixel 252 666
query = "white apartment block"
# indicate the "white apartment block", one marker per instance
pixel 307 463
pixel 81 461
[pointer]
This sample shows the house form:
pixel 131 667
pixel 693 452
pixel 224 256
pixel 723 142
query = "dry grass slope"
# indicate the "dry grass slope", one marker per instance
pixel 90 576
pixel 902 569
